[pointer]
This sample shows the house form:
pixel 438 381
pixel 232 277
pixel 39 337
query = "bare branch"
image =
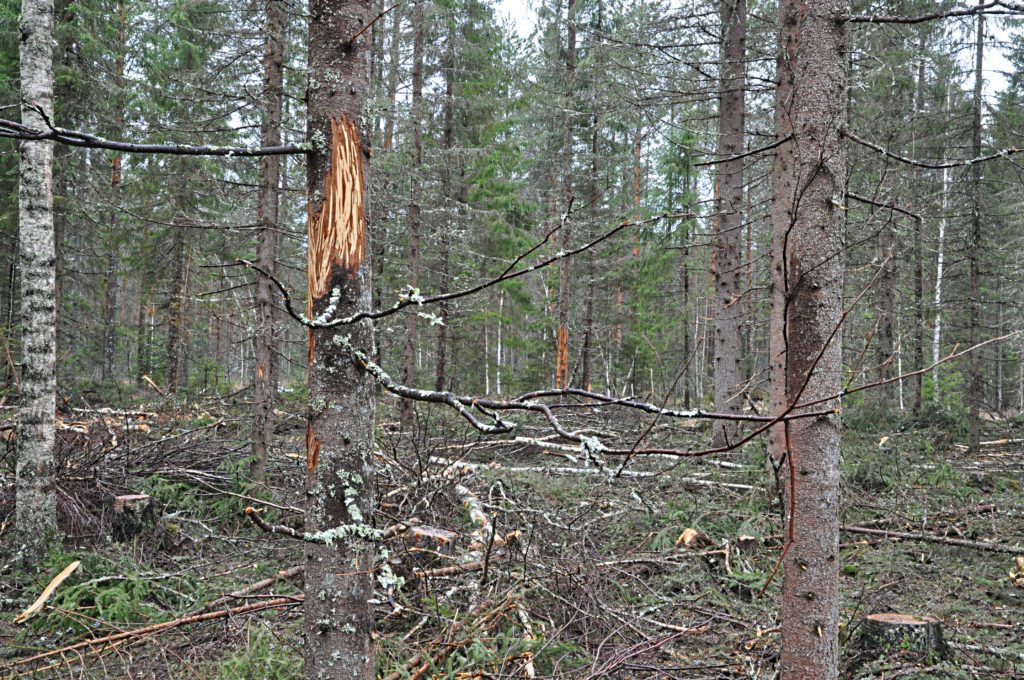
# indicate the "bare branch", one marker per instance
pixel 752 152
pixel 991 8
pixel 413 298
pixel 15 130
pixel 1002 153
pixel 886 206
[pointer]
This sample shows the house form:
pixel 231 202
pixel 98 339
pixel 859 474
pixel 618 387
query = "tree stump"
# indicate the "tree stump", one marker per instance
pixel 133 514
pixel 888 631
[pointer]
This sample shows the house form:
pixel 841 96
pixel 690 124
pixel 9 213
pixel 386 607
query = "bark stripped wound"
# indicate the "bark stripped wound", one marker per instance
pixel 337 234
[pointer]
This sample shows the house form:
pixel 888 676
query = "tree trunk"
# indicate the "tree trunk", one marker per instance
pixel 591 258
pixel 338 618
pixel 939 266
pixel 450 198
pixel 888 281
pixel 415 213
pixel 918 378
pixel 809 221
pixel 562 352
pixel 729 209
pixel 35 500
pixel 974 386
pixel 394 66
pixel 267 217
pixel 176 307
pixel 109 339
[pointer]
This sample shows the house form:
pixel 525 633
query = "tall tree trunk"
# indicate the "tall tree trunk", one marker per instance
pixel 35 499
pixel 729 208
pixel 562 356
pixel 591 259
pixel 808 221
pixel 974 386
pixel 338 618
pixel 110 276
pixel 888 281
pixel 939 266
pixel 174 348
pixel 415 212
pixel 918 378
pixel 268 202
pixel 450 199
pixel 394 66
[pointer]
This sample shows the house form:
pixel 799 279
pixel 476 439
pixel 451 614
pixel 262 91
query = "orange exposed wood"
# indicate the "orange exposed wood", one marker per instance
pixel 562 363
pixel 337 233
pixel 312 449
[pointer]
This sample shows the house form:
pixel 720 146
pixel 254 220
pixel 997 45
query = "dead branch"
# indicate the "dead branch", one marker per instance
pixel 377 535
pixel 15 130
pixel 284 574
pixel 996 7
pixel 1002 153
pixel 453 570
pixel 160 627
pixel 413 297
pixel 931 538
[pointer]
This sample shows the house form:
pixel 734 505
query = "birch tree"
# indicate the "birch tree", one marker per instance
pixel 35 498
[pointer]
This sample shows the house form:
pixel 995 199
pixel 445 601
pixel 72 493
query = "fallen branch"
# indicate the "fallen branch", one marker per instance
pixel 284 574
pixel 931 538
pixel 160 627
pixel 452 570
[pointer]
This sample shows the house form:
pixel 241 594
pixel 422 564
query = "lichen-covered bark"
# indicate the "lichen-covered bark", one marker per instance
pixel 270 135
pixel 35 499
pixel 809 208
pixel 338 618
pixel 729 222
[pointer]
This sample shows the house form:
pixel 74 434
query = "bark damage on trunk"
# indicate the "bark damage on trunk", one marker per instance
pixel 338 616
pixel 337 235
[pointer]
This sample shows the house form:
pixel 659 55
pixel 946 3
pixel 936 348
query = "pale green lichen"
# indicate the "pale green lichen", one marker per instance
pixel 329 536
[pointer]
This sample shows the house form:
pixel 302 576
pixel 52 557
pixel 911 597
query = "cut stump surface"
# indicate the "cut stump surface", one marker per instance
pixel 889 631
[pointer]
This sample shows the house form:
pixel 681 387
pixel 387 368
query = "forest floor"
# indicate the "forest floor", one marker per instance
pixel 582 573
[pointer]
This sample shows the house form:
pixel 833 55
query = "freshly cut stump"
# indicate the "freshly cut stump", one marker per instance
pixel 889 631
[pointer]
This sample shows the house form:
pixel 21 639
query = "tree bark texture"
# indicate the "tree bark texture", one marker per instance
pixel 415 213
pixel 809 220
pixel 888 284
pixel 562 350
pixel 338 618
pixel 35 500
pixel 177 302
pixel 729 209
pixel 450 197
pixel 267 217
pixel 974 384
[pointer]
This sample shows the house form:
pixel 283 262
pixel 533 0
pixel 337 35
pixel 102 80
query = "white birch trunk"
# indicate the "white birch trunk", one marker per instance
pixel 35 500
pixel 939 263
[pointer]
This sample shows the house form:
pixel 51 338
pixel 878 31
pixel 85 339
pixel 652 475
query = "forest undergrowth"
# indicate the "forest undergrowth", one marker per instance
pixel 505 558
